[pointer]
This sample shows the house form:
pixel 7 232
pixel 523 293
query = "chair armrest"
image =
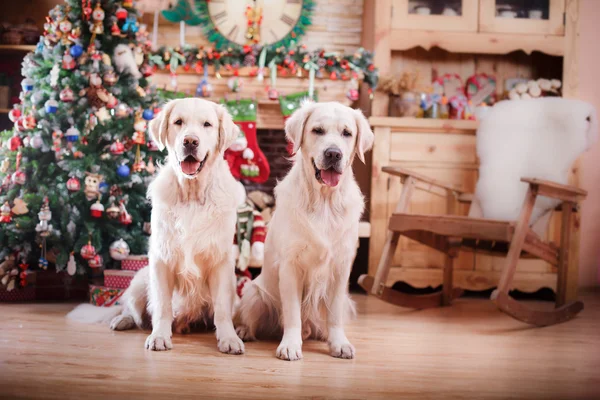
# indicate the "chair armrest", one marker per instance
pixel 556 190
pixel 405 173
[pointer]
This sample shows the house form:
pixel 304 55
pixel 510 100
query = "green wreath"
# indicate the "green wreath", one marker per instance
pixel 199 16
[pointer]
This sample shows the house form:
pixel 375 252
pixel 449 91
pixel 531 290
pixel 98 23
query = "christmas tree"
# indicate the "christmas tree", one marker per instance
pixel 75 168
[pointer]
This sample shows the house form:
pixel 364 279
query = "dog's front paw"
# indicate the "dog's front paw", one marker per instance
pixel 231 345
pixel 158 342
pixel 289 350
pixel 342 349
pixel 244 333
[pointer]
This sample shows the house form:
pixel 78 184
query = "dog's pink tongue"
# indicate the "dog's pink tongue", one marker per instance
pixel 330 176
pixel 190 167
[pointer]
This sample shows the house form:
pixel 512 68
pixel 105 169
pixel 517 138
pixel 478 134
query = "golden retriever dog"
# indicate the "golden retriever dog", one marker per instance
pixel 311 244
pixel 190 276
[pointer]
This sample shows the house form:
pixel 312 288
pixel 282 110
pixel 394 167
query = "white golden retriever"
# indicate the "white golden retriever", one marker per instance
pixel 191 272
pixel 311 244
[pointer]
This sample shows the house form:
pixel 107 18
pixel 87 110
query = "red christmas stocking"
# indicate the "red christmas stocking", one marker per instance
pixel 246 160
pixel 289 104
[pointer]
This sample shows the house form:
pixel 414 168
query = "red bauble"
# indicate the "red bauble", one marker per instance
pixel 14 143
pixel 88 251
pixel 20 124
pixel 95 261
pixel 73 184
pixel 66 95
pixel 121 13
pixel 97 209
pixel 117 148
pixel 19 178
pixel 14 114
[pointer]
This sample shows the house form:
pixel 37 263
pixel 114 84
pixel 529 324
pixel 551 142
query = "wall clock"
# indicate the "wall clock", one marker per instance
pixel 236 23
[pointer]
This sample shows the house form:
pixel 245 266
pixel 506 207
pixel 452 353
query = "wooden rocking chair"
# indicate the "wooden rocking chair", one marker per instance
pixel 451 233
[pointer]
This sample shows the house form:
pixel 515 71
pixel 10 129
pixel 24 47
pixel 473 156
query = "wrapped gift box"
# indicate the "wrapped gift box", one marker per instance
pixel 116 278
pixel 134 263
pixel 102 296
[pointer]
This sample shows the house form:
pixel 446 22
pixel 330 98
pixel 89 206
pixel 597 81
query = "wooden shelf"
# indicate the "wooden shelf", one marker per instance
pixel 426 124
pixel 4 110
pixel 477 43
pixel 17 47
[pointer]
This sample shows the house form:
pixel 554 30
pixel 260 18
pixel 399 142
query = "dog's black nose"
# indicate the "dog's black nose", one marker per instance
pixel 333 154
pixel 191 142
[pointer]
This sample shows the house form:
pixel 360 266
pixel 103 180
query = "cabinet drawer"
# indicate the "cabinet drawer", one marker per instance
pixel 433 147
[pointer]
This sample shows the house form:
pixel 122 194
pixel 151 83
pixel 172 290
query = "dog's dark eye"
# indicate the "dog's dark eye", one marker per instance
pixel 347 133
pixel 588 118
pixel 207 124
pixel 318 130
pixel 179 122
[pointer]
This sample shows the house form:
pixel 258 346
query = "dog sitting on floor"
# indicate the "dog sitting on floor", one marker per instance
pixel 303 287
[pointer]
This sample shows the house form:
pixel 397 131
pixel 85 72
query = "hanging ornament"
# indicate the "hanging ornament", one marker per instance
pixel 36 141
pixel 102 116
pixel 139 125
pixel 86 7
pixel 5 215
pixel 71 265
pixel 148 114
pixel 54 73
pixel 72 134
pixel 130 25
pixel 68 62
pixel 138 164
pixel 88 251
pixel 18 177
pixel 110 78
pixel 57 140
pixel 19 207
pixel 43 263
pixel 103 187
pixel 75 37
pixel 123 171
pixel 29 121
pixel 73 184
pixel 115 30
pixel 76 51
pixel 66 95
pixel 117 148
pixel 113 211
pixel 121 13
pixel 97 209
pixel 97 25
pixel 15 142
pixel 204 88
pixel 272 92
pixel 5 165
pixel 122 111
pixel 20 125
pixel 119 250
pixel 95 261
pixel 65 26
pixel 92 182
pixel 51 106
pixel 27 84
pixel 14 114
pixel 124 216
pixel 45 215
pixel 6 181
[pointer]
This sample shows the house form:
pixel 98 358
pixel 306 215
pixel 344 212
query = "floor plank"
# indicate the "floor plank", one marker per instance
pixel 469 350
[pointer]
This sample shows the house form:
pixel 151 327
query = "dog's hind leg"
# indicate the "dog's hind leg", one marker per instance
pixel 135 300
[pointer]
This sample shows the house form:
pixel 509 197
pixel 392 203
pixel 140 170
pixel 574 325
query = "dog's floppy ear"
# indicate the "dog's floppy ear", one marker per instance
pixel 158 126
pixel 294 126
pixel 365 136
pixel 228 131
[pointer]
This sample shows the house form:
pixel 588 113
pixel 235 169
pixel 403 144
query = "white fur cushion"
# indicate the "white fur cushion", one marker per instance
pixel 538 138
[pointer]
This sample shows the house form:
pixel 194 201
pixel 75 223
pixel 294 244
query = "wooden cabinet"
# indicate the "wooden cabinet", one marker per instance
pixel 442 15
pixel 543 17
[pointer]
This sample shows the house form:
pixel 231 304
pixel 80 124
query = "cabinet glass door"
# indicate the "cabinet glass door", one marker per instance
pixel 543 17
pixel 437 15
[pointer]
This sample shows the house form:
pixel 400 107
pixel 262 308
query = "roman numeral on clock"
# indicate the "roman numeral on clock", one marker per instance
pixel 220 16
pixel 233 32
pixel 287 19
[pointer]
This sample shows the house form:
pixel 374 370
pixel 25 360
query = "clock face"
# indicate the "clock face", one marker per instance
pixel 261 22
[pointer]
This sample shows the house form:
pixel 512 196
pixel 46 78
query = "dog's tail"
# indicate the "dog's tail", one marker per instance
pixel 90 314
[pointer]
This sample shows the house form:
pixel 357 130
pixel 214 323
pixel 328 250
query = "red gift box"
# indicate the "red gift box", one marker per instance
pixel 102 296
pixel 134 263
pixel 116 278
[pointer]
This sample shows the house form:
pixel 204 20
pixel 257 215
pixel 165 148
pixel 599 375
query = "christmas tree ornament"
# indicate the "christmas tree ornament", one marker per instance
pixel 122 111
pixel 92 182
pixel 272 93
pixel 73 184
pixel 95 80
pixel 86 7
pixel 117 148
pixel 119 250
pixel 68 62
pixel 95 261
pixel 123 171
pixel 15 142
pixel 110 78
pixel 75 37
pixel 36 141
pixel 27 84
pixel 204 88
pixel 102 115
pixel 115 30
pixel 29 122
pixel 113 211
pixel 125 61
pixel 66 95
pixel 97 209
pixel 43 227
pixel 124 216
pixel 76 51
pixel 131 25
pixel 65 26
pixel 121 13
pixel 5 165
pixel 72 134
pixel 18 177
pixel 20 125
pixel 88 251
pixel 51 106
pixel 148 114
pixel 103 187
pixel 43 263
pixel 5 213
pixel 6 182
pixel 57 140
pixel 14 114
pixel 139 125
pixel 71 265
pixel 54 73
pixel 97 25
pixel 19 207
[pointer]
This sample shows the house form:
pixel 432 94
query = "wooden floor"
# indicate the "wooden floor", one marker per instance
pixel 468 351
